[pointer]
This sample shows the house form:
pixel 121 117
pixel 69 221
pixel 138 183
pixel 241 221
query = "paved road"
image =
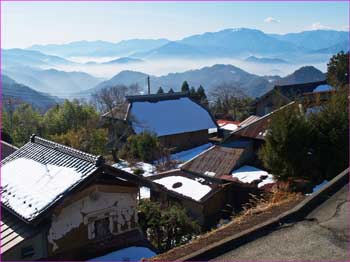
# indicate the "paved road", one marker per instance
pixel 323 234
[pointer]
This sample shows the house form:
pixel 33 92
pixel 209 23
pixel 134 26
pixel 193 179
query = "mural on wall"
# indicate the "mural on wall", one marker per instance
pixel 104 214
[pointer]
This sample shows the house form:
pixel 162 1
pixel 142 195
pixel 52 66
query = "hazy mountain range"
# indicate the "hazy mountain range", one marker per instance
pixel 211 77
pixel 55 82
pixel 54 68
pixel 19 93
pixel 224 43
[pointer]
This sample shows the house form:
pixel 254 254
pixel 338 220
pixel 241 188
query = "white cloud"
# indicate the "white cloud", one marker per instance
pixel 271 20
pixel 319 26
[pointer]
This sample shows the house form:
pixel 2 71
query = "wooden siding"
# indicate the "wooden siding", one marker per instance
pixel 179 142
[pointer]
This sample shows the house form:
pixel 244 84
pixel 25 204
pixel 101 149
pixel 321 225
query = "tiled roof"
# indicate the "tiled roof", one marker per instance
pixel 19 192
pixel 249 120
pixel 215 162
pixel 257 129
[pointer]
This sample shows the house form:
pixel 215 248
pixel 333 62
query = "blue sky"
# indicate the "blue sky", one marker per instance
pixel 27 23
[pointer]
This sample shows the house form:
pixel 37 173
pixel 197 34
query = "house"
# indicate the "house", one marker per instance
pixel 205 199
pixel 7 149
pixel 252 133
pixel 218 161
pixel 61 203
pixel 283 94
pixel 179 122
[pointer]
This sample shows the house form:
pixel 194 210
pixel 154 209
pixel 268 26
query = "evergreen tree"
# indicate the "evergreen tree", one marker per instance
pixel 338 70
pixel 331 132
pixel 185 87
pixel 193 92
pixel 201 96
pixel 160 90
pixel 287 152
pixel 171 91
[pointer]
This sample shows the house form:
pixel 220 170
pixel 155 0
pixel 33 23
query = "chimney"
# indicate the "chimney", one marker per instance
pixel 148 85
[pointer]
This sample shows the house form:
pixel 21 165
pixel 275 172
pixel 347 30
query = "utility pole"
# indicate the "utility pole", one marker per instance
pixel 148 85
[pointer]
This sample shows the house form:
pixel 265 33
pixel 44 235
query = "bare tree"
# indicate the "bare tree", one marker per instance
pixel 227 100
pixel 112 100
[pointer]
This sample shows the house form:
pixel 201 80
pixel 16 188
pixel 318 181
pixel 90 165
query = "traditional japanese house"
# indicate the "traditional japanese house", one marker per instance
pixel 178 121
pixel 205 199
pixel 252 133
pixel 283 94
pixel 61 203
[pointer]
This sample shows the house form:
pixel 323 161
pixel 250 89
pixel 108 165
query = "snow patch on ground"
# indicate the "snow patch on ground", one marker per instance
pixel 148 169
pixel 248 174
pixel 320 186
pixel 127 254
pixel 34 186
pixel 184 186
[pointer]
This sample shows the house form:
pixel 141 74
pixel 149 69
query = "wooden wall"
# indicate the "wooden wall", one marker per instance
pixel 185 141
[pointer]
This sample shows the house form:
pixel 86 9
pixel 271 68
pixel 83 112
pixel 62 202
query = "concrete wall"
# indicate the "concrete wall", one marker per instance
pixel 95 214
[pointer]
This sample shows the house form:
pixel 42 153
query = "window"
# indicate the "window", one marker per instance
pixel 27 251
pixel 102 228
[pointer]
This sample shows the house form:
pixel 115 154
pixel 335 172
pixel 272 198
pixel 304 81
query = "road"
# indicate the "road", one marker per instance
pixel 323 234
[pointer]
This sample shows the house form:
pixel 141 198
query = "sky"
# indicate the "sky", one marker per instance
pixel 26 23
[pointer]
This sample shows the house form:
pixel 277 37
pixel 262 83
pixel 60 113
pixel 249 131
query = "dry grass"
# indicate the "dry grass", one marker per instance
pixel 256 211
pixel 265 204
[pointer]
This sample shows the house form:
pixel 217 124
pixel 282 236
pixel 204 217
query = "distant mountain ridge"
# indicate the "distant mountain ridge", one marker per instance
pixel 231 42
pixel 265 60
pixel 56 82
pixel 100 48
pixel 210 77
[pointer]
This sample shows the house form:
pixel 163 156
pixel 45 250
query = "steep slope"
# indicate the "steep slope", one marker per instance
pixel 23 94
pixel 55 82
pixel 304 74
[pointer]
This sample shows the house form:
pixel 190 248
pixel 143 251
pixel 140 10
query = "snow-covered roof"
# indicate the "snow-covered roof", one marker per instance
pixel 248 174
pixel 38 174
pixel 192 188
pixel 186 155
pixel 323 88
pixel 169 116
pixel 127 254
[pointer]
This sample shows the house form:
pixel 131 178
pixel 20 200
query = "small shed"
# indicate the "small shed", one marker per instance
pixel 62 203
pixel 179 121
pixel 205 199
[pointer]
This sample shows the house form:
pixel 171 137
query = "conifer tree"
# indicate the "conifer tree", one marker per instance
pixel 160 90
pixel 185 87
